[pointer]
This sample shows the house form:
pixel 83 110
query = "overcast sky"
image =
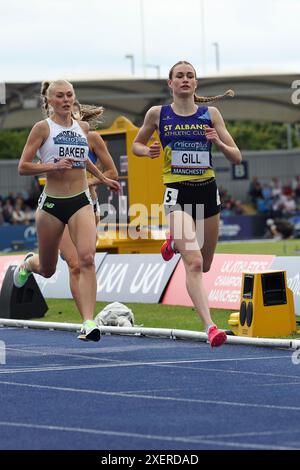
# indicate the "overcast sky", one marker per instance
pixel 48 39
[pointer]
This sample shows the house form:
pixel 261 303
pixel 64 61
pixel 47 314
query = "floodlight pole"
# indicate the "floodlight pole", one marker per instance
pixel 131 57
pixel 202 28
pixel 216 44
pixel 143 37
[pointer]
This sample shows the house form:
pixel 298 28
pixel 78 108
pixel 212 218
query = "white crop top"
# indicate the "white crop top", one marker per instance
pixel 64 142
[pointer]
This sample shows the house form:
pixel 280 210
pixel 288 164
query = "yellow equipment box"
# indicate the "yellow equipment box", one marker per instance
pixel 267 306
pixel 138 208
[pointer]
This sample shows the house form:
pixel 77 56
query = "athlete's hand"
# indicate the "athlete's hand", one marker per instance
pixel 212 135
pixel 112 184
pixel 154 150
pixel 64 164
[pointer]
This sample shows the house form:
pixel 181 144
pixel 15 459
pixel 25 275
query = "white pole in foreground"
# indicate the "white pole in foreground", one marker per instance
pixel 155 332
pixel 143 37
pixel 202 23
pixel 217 51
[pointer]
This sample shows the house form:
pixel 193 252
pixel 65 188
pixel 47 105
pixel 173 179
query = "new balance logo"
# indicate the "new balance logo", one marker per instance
pixel 50 205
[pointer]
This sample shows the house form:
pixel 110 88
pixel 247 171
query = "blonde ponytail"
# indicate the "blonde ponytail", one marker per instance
pixel 45 105
pixel 211 99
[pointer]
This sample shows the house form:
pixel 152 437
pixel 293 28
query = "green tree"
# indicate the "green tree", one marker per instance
pixel 248 136
pixel 261 135
pixel 12 143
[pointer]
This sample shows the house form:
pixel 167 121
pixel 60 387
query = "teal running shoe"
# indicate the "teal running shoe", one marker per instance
pixel 89 331
pixel 21 273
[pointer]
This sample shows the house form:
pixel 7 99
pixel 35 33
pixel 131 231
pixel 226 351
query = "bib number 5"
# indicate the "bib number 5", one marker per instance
pixel 170 197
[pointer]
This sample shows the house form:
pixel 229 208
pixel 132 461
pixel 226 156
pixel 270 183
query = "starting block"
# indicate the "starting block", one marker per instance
pixel 267 306
pixel 21 303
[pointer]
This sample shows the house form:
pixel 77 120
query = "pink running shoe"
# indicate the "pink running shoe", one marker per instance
pixel 167 250
pixel 216 337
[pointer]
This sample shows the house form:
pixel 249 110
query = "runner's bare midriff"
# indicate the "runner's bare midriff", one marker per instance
pixel 65 183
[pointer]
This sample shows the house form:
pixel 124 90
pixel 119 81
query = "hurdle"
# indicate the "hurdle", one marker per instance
pixel 154 332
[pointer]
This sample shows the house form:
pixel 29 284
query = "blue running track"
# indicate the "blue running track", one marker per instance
pixel 131 393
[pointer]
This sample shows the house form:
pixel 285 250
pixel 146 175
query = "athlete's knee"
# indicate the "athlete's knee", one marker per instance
pixel 194 264
pixel 86 260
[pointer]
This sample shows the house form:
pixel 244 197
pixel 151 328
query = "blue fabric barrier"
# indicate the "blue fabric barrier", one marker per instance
pixel 17 237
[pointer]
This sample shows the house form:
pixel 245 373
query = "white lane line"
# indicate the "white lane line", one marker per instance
pixel 246 446
pixel 251 445
pixel 248 434
pixel 135 364
pixel 156 398
pixel 143 436
pixel 66 355
pixel 274 384
pixel 231 371
pixel 42 350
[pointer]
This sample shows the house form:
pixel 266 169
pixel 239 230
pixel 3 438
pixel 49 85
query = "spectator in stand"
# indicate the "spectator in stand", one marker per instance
pixel 289 205
pixel 227 209
pixel 295 182
pixel 18 214
pixel 267 192
pixel 11 197
pixel 277 205
pixel 1 212
pixel 297 195
pixel 287 189
pixel 263 206
pixel 238 208
pixel 8 210
pixel 276 187
pixel 30 214
pixel 252 184
pixel 255 190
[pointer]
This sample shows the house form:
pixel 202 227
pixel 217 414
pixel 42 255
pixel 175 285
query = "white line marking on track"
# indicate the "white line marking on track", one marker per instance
pixel 57 353
pixel 247 434
pixel 157 398
pixel 144 436
pixel 231 371
pixel 274 384
pixel 135 364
